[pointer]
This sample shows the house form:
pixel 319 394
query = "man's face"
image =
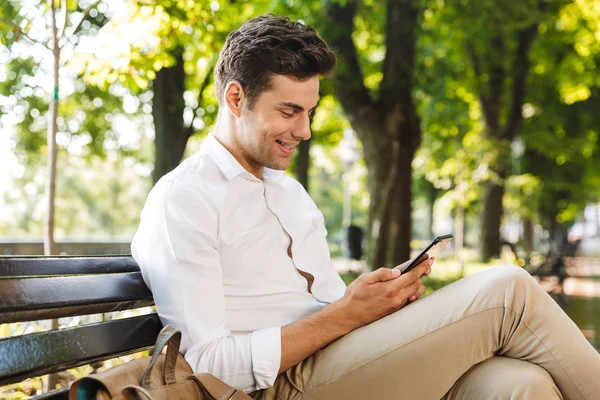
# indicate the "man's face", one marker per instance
pixel 278 121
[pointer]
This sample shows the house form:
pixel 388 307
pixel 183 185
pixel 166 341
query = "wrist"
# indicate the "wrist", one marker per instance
pixel 342 317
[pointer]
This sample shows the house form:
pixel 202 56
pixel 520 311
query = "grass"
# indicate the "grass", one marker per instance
pixel 443 272
pixel 585 312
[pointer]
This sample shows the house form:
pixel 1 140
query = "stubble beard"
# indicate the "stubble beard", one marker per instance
pixel 262 153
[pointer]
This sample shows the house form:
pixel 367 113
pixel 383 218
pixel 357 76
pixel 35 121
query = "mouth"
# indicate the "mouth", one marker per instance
pixel 286 147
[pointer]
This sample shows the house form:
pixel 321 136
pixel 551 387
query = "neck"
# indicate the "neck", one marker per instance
pixel 226 131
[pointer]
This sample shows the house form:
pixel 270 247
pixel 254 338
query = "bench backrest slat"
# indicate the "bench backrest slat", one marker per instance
pixel 40 353
pixel 65 265
pixel 29 299
pixel 36 288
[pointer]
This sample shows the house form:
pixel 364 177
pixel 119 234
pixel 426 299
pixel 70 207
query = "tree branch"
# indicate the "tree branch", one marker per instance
pixel 61 31
pixel 19 31
pixel 398 65
pixel 470 48
pixel 521 64
pixel 85 14
pixel 491 96
pixel 205 82
pixel 349 87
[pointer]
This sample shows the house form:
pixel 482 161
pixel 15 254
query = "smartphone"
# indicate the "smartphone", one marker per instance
pixel 430 251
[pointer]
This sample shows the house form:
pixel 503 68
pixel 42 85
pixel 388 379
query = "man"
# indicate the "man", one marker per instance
pixel 235 253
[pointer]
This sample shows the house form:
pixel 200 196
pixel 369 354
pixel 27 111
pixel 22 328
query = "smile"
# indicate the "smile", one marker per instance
pixel 285 145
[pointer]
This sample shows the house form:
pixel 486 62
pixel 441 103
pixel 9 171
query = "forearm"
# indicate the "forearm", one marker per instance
pixel 370 297
pixel 305 336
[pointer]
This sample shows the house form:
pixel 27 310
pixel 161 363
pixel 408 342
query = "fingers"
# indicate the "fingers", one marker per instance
pixel 405 280
pixel 428 271
pixel 382 275
pixel 429 263
pixel 417 295
pixel 404 264
pixel 386 274
pixel 403 296
pixel 417 272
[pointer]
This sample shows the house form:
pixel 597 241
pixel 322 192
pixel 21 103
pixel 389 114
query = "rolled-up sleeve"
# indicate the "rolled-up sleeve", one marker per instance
pixel 266 356
pixel 177 249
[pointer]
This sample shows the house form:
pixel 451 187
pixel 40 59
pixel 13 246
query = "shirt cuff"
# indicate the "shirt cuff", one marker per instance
pixel 266 356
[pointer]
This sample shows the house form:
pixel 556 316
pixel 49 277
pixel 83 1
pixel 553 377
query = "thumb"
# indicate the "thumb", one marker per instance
pixel 384 274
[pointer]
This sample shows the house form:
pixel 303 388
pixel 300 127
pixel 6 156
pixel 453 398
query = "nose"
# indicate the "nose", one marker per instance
pixel 302 129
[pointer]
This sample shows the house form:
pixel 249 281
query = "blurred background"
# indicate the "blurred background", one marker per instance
pixel 477 118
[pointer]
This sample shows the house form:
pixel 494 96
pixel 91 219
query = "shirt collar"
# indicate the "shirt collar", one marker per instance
pixel 227 163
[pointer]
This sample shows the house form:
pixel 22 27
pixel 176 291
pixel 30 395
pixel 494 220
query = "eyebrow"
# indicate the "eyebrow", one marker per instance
pixel 295 106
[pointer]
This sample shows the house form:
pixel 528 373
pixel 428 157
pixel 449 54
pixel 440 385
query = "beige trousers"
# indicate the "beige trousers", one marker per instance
pixel 493 335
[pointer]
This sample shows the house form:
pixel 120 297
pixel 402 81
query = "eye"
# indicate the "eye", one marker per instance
pixel 287 115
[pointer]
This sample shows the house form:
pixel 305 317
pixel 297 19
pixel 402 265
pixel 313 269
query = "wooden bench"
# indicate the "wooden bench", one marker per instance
pixel 38 288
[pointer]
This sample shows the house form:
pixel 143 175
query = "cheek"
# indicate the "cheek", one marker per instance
pixel 277 127
pixel 263 131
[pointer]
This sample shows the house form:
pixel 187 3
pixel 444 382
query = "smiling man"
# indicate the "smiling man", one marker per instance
pixel 236 256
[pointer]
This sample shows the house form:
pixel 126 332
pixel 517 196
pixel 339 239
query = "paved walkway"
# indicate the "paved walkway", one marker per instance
pixel 583 278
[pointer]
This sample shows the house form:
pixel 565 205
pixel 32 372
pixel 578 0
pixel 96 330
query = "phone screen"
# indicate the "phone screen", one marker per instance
pixel 430 251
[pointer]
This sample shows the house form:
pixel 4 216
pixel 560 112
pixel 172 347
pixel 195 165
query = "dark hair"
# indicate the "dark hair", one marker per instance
pixel 268 45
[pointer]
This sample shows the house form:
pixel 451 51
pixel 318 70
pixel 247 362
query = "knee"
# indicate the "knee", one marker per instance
pixel 514 273
pixel 509 280
pixel 510 275
pixel 536 383
pixel 505 378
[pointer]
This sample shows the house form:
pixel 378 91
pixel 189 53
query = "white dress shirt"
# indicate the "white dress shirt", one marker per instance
pixel 212 246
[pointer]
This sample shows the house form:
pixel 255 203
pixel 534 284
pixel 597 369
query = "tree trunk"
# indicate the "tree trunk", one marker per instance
pixel 552 231
pixel 597 209
pixel 49 243
pixel 381 180
pixel 528 234
pixel 459 231
pixel 432 194
pixel 390 210
pixel 491 220
pixel 171 135
pixel 401 203
pixel 303 163
pixel 491 94
pixel 387 127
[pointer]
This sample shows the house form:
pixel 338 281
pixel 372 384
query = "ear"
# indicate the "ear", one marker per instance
pixel 234 97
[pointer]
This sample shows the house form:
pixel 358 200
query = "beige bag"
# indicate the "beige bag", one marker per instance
pixel 158 377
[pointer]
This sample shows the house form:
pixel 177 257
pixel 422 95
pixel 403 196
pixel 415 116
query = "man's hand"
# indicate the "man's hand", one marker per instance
pixel 370 297
pixel 376 294
pixel 416 296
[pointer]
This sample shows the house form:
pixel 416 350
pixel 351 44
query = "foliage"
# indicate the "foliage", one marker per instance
pixel 561 133
pixel 113 59
pixel 106 128
pixel 85 112
pixel 560 121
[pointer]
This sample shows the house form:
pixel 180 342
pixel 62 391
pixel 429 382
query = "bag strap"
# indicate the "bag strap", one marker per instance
pixel 217 388
pixel 170 337
pixel 133 392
